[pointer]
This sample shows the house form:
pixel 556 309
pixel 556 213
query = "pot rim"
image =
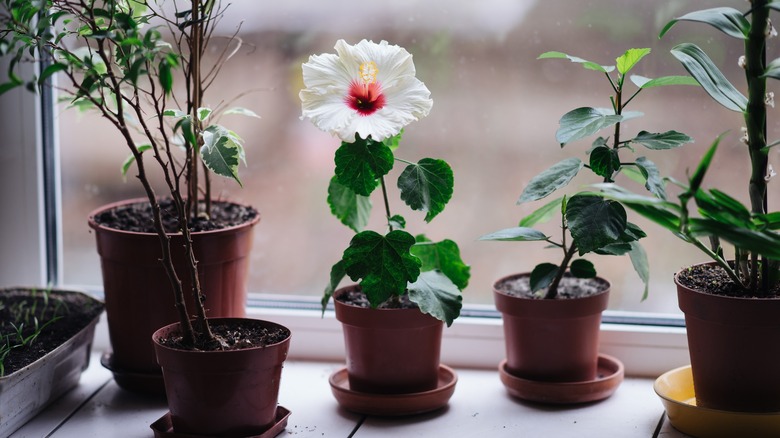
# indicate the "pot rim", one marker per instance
pixel 527 274
pixel 157 333
pixel 717 296
pixel 96 226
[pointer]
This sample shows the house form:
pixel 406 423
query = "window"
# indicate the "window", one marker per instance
pixel 496 110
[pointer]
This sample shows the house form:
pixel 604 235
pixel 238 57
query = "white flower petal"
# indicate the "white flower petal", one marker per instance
pixel 328 79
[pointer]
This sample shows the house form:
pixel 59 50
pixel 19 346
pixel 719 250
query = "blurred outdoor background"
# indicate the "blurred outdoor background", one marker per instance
pixel 496 110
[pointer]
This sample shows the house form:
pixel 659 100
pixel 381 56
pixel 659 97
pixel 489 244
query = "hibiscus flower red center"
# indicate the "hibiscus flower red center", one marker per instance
pixel 365 95
pixel 366 99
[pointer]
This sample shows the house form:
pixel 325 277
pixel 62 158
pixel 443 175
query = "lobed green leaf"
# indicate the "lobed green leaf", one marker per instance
pixel 427 186
pixel 337 273
pixel 361 163
pixel 436 295
pixel 594 222
pixel 351 209
pixel 443 256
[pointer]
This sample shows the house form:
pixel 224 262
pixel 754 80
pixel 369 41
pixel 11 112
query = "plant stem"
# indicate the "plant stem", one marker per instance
pixel 755 120
pixel 552 291
pixel 387 203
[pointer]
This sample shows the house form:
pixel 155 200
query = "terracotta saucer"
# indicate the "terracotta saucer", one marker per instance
pixel 391 405
pixel 134 381
pixel 163 428
pixel 609 375
pixel 675 388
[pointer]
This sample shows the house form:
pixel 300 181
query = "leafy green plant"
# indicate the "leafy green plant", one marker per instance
pixel 591 223
pixel 112 56
pixel 752 230
pixel 368 112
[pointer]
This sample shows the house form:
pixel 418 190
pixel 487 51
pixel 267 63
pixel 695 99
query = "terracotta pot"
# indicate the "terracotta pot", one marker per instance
pixel 734 349
pixel 138 296
pixel 389 351
pixel 222 393
pixel 551 340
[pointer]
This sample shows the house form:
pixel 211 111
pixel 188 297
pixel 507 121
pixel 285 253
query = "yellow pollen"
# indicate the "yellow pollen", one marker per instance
pixel 368 72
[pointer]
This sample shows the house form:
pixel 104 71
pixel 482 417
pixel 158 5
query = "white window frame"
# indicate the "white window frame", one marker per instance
pixel 472 341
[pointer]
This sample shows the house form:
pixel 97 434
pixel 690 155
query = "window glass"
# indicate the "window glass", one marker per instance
pixel 496 110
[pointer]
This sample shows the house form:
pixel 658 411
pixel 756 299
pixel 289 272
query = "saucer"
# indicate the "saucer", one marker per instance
pixel 163 428
pixel 393 404
pixel 134 381
pixel 675 388
pixel 608 377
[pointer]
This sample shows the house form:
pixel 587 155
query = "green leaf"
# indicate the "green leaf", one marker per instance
pixel 701 67
pixel 221 151
pixel 203 113
pixel 582 122
pixel 653 181
pixel 173 112
pixel 165 76
pixel 542 214
pixel 394 141
pixel 384 264
pixel 594 222
pixel 704 164
pixel 131 158
pixel 542 275
pixel 360 164
pixel 661 141
pixel 582 268
pixel 427 186
pixel 552 179
pixel 445 257
pixel 643 82
pixel 337 273
pixel 719 206
pixel 628 60
pixel 614 249
pixel 397 221
pixel 638 258
pixel 660 211
pixel 761 242
pixel 351 209
pixel 241 111
pixel 437 296
pixel 516 234
pixel 585 63
pixel 604 161
pixel 50 70
pixel 728 20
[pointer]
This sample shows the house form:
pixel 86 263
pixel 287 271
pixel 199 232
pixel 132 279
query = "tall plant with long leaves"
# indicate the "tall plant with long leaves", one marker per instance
pixel 752 230
pixel 591 223
pixel 112 56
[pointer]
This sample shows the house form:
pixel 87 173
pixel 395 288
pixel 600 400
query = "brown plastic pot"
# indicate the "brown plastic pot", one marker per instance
pixel 551 340
pixel 138 295
pixel 389 351
pixel 734 350
pixel 222 393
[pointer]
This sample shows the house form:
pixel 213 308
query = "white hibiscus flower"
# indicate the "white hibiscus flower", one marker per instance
pixel 365 89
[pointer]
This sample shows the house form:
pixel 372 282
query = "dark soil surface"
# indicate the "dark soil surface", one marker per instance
pixel 358 299
pixel 20 310
pixel 570 287
pixel 714 280
pixel 138 217
pixel 234 337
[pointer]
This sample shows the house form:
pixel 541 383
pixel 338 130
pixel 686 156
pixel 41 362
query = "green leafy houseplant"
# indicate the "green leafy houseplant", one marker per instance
pixel 589 222
pixel 367 108
pixel 112 56
pixel 752 230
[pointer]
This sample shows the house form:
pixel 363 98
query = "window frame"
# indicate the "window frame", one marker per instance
pixel 647 344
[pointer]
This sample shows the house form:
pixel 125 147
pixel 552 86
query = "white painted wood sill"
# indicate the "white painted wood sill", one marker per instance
pixel 479 407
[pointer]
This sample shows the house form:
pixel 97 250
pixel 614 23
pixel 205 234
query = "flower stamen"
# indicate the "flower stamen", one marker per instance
pixel 365 96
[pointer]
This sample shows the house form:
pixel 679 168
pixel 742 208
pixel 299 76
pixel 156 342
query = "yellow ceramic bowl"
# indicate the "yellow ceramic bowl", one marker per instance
pixel 676 391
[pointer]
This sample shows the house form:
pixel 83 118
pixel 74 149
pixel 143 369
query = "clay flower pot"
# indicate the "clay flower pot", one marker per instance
pixel 222 393
pixel 135 285
pixel 734 349
pixel 389 351
pixel 551 340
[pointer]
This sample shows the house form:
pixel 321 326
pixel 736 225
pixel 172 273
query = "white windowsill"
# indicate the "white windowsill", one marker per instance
pixel 480 406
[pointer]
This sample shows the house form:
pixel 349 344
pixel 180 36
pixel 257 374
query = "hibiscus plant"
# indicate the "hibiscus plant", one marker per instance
pixel 366 94
pixel 119 58
pixel 591 223
pixel 755 269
